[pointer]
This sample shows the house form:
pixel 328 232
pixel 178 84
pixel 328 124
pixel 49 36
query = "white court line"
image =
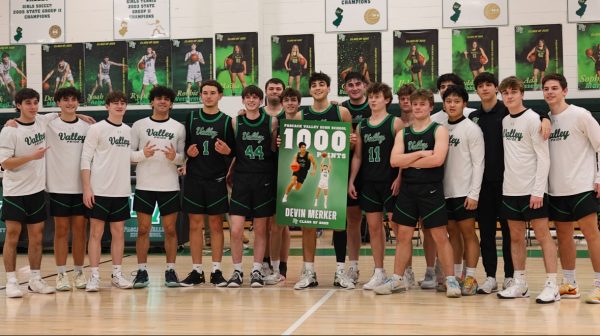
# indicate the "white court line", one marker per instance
pixel 308 313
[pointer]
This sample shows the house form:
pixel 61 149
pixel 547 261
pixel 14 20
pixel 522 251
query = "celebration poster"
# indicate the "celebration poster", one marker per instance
pixel 192 62
pixel 149 66
pixel 62 66
pixel 538 51
pixel 13 73
pixel 360 52
pixel 293 60
pixel 474 51
pixel 416 58
pixel 105 70
pixel 236 61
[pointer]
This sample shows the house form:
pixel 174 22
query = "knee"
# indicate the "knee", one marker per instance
pixel 144 230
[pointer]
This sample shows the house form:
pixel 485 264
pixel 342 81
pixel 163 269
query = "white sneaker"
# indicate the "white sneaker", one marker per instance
pixel 13 290
pixel 390 286
pixel 119 281
pixel 549 294
pixel 265 269
pixel 353 274
pixel 38 285
pixel 488 287
pixel 377 280
pixel 307 279
pixel 428 281
pixel 80 280
pixel 409 277
pixel 342 280
pixel 517 290
pixel 508 282
pixel 325 205
pixel 284 199
pixel 316 203
pixel 93 285
pixel 452 288
pixel 62 282
pixel 274 278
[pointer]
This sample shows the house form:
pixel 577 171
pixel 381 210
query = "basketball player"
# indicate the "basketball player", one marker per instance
pixel 403 94
pixel 63 74
pixel 193 58
pixel 413 60
pixel 474 56
pixel 323 182
pixel 5 77
pixel 305 160
pixel 294 66
pixel 104 75
pixel 237 68
pixel 541 56
pixel 574 184
pixel 158 148
pixel 149 61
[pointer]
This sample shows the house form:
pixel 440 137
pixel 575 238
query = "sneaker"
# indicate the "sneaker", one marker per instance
pixel 428 281
pixel 119 281
pixel 377 280
pixel 141 279
pixel 452 287
pixel 274 278
pixel 217 279
pixel 93 285
pixel 508 282
pixel 390 286
pixel 284 199
pixel 569 291
pixel 236 280
pixel 549 294
pixel 439 274
pixel 266 269
pixel 62 282
pixel 80 280
pixel 171 278
pixel 193 278
pixel 256 279
pixel 515 291
pixel 469 286
pixel 441 287
pixel 307 279
pixel 342 280
pixel 38 285
pixel 489 286
pixel 409 277
pixel 592 297
pixel 13 290
pixel 353 273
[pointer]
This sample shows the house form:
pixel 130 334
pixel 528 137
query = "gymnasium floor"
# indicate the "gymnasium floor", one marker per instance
pixel 282 310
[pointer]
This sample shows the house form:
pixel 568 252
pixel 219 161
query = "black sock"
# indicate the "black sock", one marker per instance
pixel 340 240
pixel 283 268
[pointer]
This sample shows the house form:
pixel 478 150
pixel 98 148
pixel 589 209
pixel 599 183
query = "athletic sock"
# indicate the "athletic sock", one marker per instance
pixel 116 269
pixel 170 266
pixel 216 266
pixel 569 275
pixel 238 267
pixel 61 269
pixel 143 267
pixel 197 268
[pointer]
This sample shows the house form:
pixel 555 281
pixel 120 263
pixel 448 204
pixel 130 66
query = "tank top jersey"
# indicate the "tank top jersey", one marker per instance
pixel 280 116
pixel 237 58
pixel 62 69
pixel 105 68
pixel 414 59
pixel 417 141
pixel 324 178
pixel 253 145
pixel 358 112
pixel 474 55
pixel 331 113
pixel 203 130
pixel 304 162
pixel 540 53
pixel 5 67
pixel 377 143
pixel 149 63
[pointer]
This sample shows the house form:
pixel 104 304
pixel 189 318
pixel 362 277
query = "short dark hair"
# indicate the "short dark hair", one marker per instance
pixel 291 92
pixel 458 91
pixel 354 75
pixel 485 77
pixel 212 82
pixel 25 93
pixel 114 97
pixel 422 94
pixel 162 91
pixel 406 90
pixel 319 76
pixel 385 89
pixel 301 144
pixel 450 77
pixel 5 54
pixel 276 81
pixel 557 77
pixel 252 90
pixel 66 93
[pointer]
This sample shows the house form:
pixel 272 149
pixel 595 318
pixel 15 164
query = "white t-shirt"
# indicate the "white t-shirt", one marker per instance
pixel 574 142
pixel 441 117
pixel 157 173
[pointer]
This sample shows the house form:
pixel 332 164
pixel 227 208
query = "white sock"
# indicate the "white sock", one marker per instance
pixel 569 275
pixel 256 266
pixel 325 199
pixel 551 278
pixel 35 274
pixel 340 266
pixel 520 276
pixel 309 266
pixel 470 271
pixel 597 279
pixel 238 267
pixel 197 268
pixel 11 277
pixel 95 271
pixel 457 269
pixel 143 267
pixel 216 266
pixel 78 268
pixel 354 264
pixel 116 269
pixel 275 264
pixel 170 266
pixel 379 271
pixel 61 269
pixel 396 277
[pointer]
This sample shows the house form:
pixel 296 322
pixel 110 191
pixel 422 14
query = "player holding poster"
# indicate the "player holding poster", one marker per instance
pixel 105 70
pixel 538 51
pixel 12 73
pixel 416 58
pixel 237 61
pixel 192 63
pixel 293 59
pixel 359 53
pixel 474 51
pixel 62 66
pixel 149 64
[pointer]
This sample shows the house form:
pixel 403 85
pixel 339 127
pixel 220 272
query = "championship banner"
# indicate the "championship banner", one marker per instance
pixel 538 51
pixel 293 60
pixel 474 13
pixel 237 61
pixel 474 51
pixel 583 10
pixel 105 70
pixel 359 52
pixel 62 66
pixel 355 15
pixel 588 56
pixel 40 21
pixel 192 63
pixel 13 73
pixel 416 58
pixel 149 66
pixel 141 19
pixel 312 179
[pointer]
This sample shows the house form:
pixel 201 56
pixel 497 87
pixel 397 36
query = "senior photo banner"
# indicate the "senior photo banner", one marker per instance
pixel 13 73
pixel 105 70
pixel 474 13
pixel 141 19
pixel 192 63
pixel 312 178
pixel 474 51
pixel 588 56
pixel 293 60
pixel 416 58
pixel 236 61
pixel 62 66
pixel 41 21
pixel 538 51
pixel 361 53
pixel 355 15
pixel 149 66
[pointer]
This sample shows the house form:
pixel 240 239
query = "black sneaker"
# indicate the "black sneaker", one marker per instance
pixel 141 279
pixel 171 279
pixel 217 279
pixel 194 278
pixel 256 279
pixel 236 280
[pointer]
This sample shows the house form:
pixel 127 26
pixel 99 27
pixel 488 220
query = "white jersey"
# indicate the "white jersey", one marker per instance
pixel 5 70
pixel 107 153
pixel 526 155
pixel 574 142
pixel 149 63
pixel 463 170
pixel 441 117
pixel 22 140
pixel 194 66
pixel 157 173
pixel 105 68
pixel 63 158
pixel 324 179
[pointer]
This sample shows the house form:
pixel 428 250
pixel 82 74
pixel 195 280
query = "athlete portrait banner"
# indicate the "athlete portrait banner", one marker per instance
pixel 149 66
pixel 538 51
pixel 360 52
pixel 313 166
pixel 192 62
pixel 236 61
pixel 474 13
pixel 13 73
pixel 293 60
pixel 62 66
pixel 141 19
pixel 416 58
pixel 40 21
pixel 105 70
pixel 474 50
pixel 588 56
pixel 355 15
pixel 583 10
